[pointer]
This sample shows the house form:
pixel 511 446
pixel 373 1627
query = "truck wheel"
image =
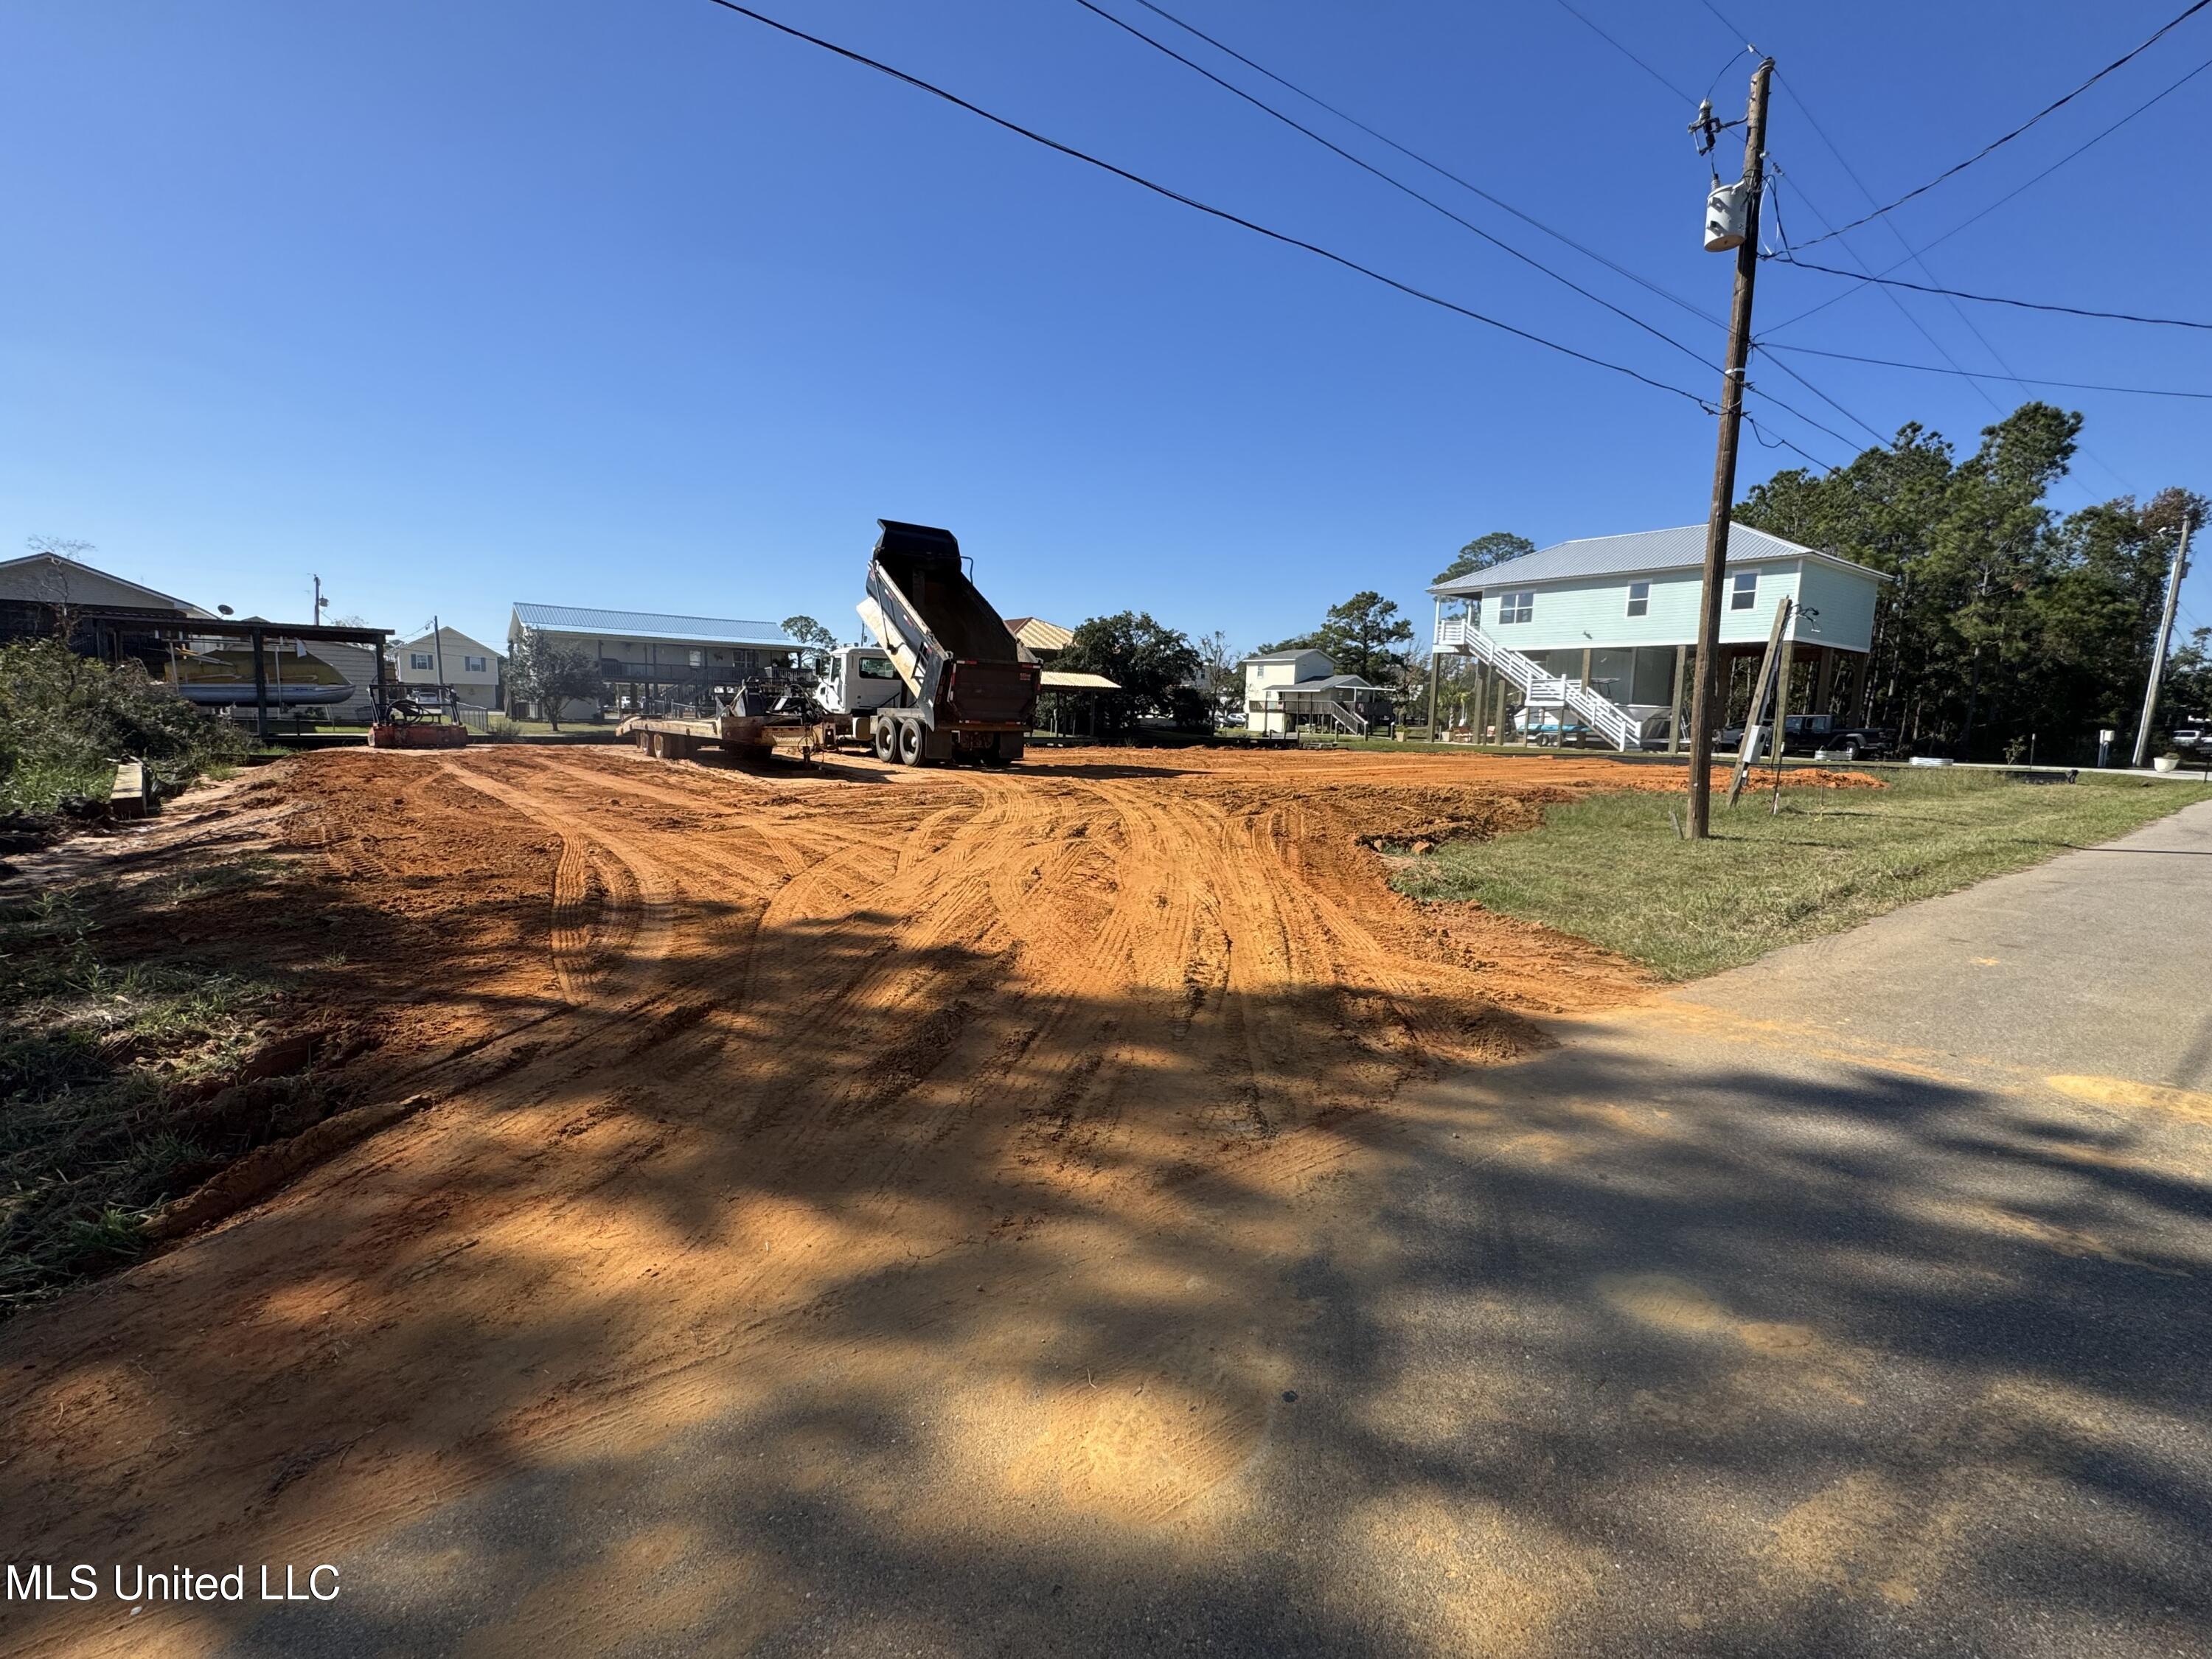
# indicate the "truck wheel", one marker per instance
pixel 1850 751
pixel 887 741
pixel 909 742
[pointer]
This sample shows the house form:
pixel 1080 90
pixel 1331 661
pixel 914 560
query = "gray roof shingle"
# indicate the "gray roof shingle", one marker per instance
pixel 1683 548
pixel 651 625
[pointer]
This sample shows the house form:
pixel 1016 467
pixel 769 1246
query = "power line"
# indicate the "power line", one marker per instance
pixel 1992 298
pixel 1436 168
pixel 1219 45
pixel 1927 271
pixel 1851 172
pixel 1863 425
pixel 1731 28
pixel 1941 350
pixel 1878 436
pixel 1192 202
pixel 1161 11
pixel 1631 56
pixel 1396 183
pixel 1760 433
pixel 1995 143
pixel 2016 190
pixel 1816 425
pixel 1770 346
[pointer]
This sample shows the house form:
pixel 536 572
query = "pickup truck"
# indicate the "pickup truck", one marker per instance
pixel 1806 734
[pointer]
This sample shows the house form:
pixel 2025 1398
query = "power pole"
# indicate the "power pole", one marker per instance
pixel 1706 693
pixel 2174 573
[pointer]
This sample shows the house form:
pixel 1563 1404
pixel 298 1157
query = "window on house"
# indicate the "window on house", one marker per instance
pixel 1639 598
pixel 698 660
pixel 472 664
pixel 1516 607
pixel 419 659
pixel 1744 590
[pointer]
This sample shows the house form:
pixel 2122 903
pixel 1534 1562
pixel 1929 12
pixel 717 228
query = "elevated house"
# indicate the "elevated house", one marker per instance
pixel 654 660
pixel 1300 690
pixel 1599 634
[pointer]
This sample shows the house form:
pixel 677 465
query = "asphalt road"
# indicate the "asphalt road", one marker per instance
pixel 1852 1303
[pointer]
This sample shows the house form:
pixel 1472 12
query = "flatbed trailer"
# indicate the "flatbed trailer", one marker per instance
pixel 741 736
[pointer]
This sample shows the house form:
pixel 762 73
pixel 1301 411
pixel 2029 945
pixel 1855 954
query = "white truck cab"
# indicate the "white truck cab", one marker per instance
pixel 858 679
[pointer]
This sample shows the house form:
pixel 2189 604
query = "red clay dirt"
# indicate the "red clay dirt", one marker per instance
pixel 708 1059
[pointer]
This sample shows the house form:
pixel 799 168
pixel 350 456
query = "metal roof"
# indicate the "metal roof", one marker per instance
pixel 1056 679
pixel 1680 549
pixel 650 625
pixel 1039 634
pixel 1282 656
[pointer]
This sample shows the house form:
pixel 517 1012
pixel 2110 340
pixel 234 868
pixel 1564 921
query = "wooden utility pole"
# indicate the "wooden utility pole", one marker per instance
pixel 2174 573
pixel 1706 692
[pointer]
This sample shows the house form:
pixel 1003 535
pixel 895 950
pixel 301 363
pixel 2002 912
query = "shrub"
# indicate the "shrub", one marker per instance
pixel 66 719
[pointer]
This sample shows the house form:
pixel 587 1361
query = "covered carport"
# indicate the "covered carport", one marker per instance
pixel 116 634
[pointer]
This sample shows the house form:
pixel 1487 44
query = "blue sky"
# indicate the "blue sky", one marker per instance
pixel 640 305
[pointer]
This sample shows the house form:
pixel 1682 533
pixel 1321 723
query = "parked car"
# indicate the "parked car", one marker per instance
pixel 1806 734
pixel 1555 728
pixel 2196 736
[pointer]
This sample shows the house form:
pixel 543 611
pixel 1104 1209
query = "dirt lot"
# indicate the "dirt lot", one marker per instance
pixel 724 1081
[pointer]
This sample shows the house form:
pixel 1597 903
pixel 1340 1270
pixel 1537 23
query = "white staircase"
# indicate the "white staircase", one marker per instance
pixel 1597 712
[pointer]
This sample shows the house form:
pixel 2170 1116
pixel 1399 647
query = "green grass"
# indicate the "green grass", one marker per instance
pixel 1611 868
pixel 96 1059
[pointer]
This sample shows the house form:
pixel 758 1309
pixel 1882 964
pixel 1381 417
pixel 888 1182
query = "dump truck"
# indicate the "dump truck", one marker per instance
pixel 968 694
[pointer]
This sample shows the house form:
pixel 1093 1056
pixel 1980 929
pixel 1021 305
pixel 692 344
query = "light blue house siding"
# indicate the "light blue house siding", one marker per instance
pixel 1838 606
pixel 1592 612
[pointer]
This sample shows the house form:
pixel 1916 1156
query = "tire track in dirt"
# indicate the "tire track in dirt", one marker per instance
pixel 1044 1032
pixel 636 922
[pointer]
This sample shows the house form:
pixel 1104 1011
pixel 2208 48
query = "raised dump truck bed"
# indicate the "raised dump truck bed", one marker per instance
pixel 970 694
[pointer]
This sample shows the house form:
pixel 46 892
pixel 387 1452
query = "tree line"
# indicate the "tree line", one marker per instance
pixel 2004 623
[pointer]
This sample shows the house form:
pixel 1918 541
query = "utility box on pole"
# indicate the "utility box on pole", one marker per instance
pixel 1726 210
